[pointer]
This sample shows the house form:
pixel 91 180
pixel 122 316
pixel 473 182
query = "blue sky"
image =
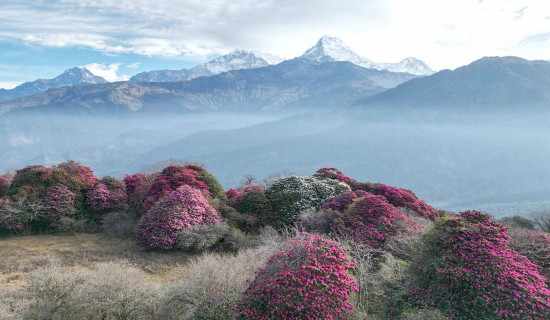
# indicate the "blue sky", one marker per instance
pixel 119 38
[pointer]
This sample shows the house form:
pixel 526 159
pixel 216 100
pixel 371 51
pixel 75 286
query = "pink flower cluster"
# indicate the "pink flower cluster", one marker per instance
pixel 370 220
pixel 58 201
pixel 333 173
pixel 170 179
pixel 137 188
pixel 183 208
pixel 234 196
pixel 401 198
pixel 342 202
pixel 80 174
pixel 106 196
pixel 468 271
pixel 307 280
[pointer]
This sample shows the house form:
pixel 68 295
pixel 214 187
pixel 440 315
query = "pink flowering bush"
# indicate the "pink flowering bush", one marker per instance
pixel 81 175
pixel 109 194
pixel 308 279
pixel 342 202
pixel 183 208
pixel 468 271
pixel 333 173
pixel 4 185
pixel 137 188
pixel 401 198
pixel 170 179
pixel 233 197
pixel 58 201
pixel 370 220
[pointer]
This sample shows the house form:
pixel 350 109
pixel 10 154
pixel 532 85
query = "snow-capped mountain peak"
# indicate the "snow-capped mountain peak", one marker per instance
pixel 333 49
pixel 410 65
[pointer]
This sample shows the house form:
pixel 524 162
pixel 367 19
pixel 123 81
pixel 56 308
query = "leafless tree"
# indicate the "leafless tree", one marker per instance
pixel 542 219
pixel 160 165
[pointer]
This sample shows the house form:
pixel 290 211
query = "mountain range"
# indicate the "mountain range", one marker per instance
pixel 298 83
pixel 236 60
pixel 77 76
pixel 490 82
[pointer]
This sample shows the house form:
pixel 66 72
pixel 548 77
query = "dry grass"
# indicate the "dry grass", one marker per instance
pixel 21 255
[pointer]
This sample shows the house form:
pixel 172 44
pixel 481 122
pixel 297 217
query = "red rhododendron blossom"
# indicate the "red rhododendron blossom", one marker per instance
pixel 170 179
pixel 106 196
pixel 233 197
pixel 307 280
pixel 183 208
pixel 370 220
pixel 401 198
pixel 468 271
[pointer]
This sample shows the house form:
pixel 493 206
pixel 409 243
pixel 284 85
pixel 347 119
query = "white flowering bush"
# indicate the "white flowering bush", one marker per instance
pixel 291 195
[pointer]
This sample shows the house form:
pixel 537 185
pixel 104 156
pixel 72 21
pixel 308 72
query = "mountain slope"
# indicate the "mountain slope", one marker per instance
pixel 290 85
pixel 333 49
pixel 77 76
pixel 487 82
pixel 236 60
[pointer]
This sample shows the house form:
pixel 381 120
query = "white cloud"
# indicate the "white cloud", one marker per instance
pixel 134 65
pixel 444 33
pixel 9 84
pixel 107 72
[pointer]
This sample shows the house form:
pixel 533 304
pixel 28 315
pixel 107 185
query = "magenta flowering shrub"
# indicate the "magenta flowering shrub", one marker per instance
pixel 307 280
pixel 109 194
pixel 233 197
pixel 333 173
pixel 82 176
pixel 468 271
pixel 57 201
pixel 183 208
pixel 170 179
pixel 370 220
pixel 137 188
pixel 401 198
pixel 342 202
pixel 4 185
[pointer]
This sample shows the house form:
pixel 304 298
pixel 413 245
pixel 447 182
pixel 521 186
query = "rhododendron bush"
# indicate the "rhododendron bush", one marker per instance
pixel 401 198
pixel 137 188
pixel 468 271
pixel 58 201
pixel 288 196
pixel 109 194
pixel 183 208
pixel 308 279
pixel 370 220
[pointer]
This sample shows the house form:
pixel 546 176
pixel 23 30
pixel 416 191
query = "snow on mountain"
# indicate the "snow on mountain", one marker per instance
pixel 333 49
pixel 236 60
pixel 77 76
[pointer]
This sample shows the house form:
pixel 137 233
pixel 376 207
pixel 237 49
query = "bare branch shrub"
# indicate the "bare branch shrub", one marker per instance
pixel 213 284
pixel 119 224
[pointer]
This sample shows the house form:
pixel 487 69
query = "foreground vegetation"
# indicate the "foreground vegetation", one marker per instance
pixel 173 244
